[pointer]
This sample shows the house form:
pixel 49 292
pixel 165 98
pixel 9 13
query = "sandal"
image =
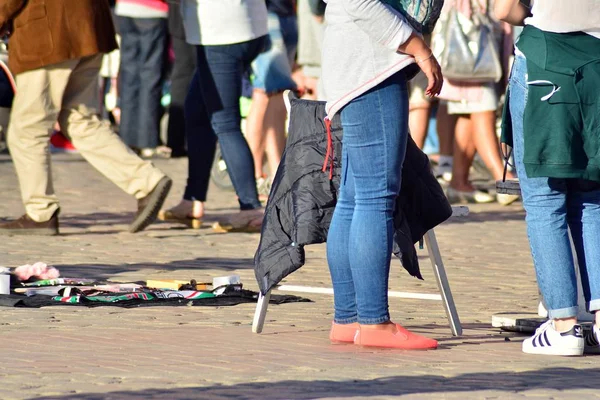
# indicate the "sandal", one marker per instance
pixel 173 216
pixel 245 222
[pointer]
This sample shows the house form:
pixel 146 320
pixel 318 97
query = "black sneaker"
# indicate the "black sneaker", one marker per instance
pixel 591 340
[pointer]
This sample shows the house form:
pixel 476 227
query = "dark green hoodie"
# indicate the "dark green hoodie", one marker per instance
pixel 562 116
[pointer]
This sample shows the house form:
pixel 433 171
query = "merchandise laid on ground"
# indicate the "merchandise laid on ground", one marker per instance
pixel 39 285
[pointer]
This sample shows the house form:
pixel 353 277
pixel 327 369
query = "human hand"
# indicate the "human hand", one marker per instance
pixel 416 47
pixel 432 70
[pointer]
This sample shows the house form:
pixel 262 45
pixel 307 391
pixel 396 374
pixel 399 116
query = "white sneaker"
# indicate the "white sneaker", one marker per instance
pixel 547 340
pixel 592 341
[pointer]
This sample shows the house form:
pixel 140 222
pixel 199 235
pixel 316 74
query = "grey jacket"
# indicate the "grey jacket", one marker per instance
pixel 360 49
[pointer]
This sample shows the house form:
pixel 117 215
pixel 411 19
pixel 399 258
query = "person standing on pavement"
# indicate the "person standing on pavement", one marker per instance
pixel 228 35
pixel 272 75
pixel 373 103
pixel 551 119
pixel 181 76
pixel 56 50
pixel 142 25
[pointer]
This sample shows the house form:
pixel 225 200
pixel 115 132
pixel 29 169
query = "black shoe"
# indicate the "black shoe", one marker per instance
pixel 149 206
pixel 26 226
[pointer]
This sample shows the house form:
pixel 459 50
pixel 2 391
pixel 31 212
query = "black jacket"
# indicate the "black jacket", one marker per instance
pixel 303 198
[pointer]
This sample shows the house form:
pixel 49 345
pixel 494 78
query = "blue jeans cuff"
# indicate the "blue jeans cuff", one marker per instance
pixel 568 312
pixel 345 321
pixel 593 305
pixel 374 321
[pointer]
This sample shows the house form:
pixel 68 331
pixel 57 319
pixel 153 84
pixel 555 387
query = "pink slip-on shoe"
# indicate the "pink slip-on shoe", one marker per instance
pixel 343 333
pixel 400 339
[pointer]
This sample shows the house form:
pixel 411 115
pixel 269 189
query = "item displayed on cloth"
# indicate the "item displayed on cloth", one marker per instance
pixel 303 197
pixel 176 284
pixel 229 298
pixel 38 270
pixel 422 15
pixel 4 280
pixel 468 48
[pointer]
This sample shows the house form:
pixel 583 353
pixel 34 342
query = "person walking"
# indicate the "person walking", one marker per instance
pixel 272 75
pixel 552 103
pixel 55 52
pixel 181 76
pixel 373 103
pixel 212 110
pixel 142 25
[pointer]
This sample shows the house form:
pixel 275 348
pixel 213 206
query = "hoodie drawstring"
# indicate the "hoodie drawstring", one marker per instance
pixel 329 156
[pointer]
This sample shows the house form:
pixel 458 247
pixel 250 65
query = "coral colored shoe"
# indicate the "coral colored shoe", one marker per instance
pixel 343 333
pixel 401 339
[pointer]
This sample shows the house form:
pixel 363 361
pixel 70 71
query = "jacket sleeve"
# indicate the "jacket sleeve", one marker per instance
pixel 8 9
pixel 382 23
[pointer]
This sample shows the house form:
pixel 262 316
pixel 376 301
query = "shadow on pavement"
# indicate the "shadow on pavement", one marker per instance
pixel 562 379
pixel 107 271
pixel 489 216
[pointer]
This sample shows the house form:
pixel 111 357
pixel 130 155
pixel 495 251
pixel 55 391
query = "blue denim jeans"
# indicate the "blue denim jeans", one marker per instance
pixel 212 112
pixel 273 68
pixel 143 46
pixel 359 243
pixel 554 206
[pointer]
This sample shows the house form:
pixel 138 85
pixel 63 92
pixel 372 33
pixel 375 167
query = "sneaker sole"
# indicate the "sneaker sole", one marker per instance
pixel 29 232
pixel 569 351
pixel 150 213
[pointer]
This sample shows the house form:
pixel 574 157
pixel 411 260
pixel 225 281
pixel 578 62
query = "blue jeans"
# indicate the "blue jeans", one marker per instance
pixel 143 44
pixel 273 68
pixel 554 206
pixel 212 111
pixel 359 243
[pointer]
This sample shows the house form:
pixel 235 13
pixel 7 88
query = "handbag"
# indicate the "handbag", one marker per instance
pixel 422 15
pixel 467 49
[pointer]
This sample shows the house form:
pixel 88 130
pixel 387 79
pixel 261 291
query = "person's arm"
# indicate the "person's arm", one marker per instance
pixel 377 20
pixel 511 11
pixel 8 10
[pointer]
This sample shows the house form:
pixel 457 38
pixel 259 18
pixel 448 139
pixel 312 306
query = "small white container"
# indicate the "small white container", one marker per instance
pixel 4 280
pixel 224 281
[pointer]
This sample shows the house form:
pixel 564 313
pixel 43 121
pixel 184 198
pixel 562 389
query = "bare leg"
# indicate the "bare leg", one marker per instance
pixel 486 142
pixel 418 122
pixel 275 132
pixel 445 129
pixel 464 152
pixel 255 129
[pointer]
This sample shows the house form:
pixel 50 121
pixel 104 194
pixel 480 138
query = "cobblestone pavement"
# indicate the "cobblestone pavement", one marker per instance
pixel 210 353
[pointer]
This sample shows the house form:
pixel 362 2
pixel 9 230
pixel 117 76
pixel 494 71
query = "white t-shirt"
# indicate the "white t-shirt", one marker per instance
pixel 220 22
pixel 563 16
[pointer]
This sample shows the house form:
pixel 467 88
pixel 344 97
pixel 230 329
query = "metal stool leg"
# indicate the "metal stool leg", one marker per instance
pixel 442 281
pixel 261 312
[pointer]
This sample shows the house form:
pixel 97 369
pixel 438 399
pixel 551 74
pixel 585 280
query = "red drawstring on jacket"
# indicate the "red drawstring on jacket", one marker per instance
pixel 329 155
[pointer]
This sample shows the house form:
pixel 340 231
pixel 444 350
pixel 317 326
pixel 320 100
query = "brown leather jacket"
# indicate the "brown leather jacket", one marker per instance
pixel 46 32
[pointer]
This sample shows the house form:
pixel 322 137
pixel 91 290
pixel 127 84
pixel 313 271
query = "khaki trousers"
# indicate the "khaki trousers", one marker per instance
pixel 68 93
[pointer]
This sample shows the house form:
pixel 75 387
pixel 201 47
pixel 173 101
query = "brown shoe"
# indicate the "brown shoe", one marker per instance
pixel 26 226
pixel 149 206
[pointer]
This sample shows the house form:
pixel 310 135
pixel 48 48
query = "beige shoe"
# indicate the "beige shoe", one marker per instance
pixel 475 196
pixel 506 199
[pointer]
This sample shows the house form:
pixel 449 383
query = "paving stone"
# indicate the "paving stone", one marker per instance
pixel 210 352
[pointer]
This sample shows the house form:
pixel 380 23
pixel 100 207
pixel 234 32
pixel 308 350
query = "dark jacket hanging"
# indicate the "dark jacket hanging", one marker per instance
pixel 303 198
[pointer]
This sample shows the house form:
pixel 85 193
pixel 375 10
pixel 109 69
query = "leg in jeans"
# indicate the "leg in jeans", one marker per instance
pixel 545 201
pixel 129 79
pixel 359 242
pixel 201 140
pixel 183 71
pixel 220 70
pixel 153 37
pixel 583 214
